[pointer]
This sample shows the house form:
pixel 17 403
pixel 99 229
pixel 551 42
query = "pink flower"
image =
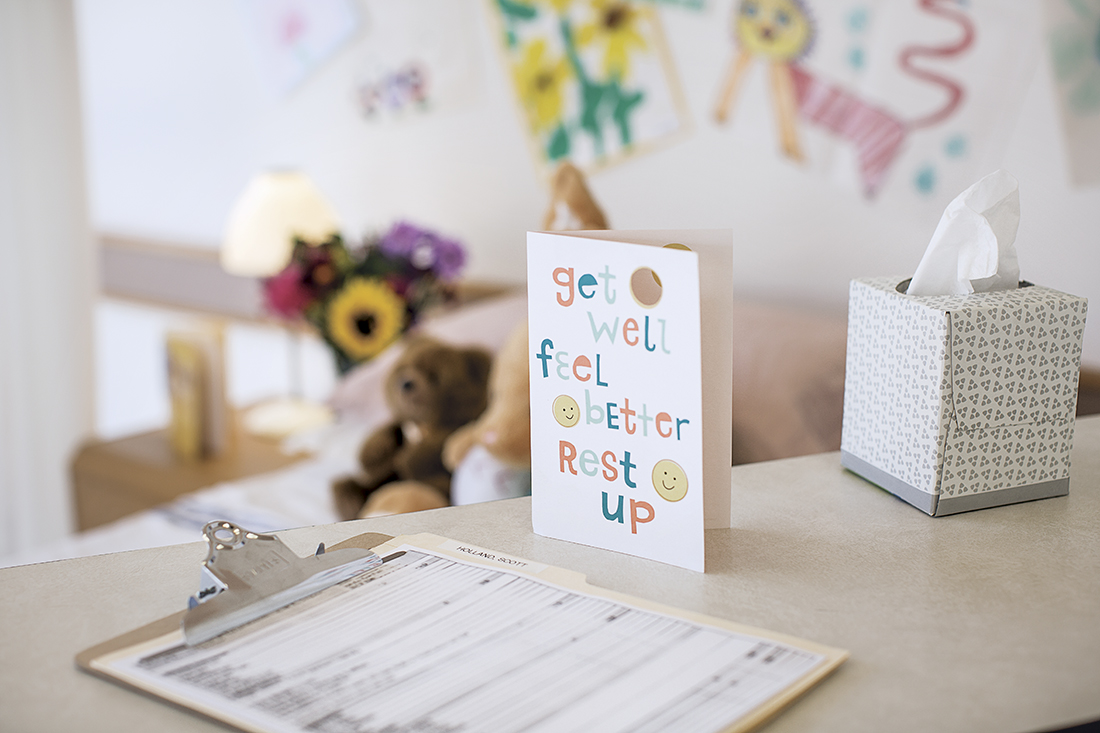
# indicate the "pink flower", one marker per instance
pixel 287 293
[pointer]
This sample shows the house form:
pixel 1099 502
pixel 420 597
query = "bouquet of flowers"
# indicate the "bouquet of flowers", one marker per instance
pixel 361 299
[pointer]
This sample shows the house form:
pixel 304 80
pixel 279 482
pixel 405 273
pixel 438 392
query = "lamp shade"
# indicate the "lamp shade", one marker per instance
pixel 275 208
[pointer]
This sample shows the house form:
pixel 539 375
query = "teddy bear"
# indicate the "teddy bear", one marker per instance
pixel 490 458
pixel 432 390
pixel 572 206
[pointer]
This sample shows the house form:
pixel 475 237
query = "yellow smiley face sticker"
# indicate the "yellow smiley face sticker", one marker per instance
pixel 669 480
pixel 566 411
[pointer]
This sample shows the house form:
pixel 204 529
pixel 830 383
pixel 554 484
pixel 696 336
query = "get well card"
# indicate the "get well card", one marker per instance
pixel 631 361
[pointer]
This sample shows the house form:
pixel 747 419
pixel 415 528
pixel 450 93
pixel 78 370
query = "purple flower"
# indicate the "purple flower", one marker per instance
pixel 450 257
pixel 402 239
pixel 425 250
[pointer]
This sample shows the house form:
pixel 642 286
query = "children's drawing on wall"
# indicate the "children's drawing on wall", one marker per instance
pixel 593 78
pixel 394 90
pixel 293 38
pixel 688 4
pixel 778 32
pixel 891 94
pixel 417 57
pixel 1074 39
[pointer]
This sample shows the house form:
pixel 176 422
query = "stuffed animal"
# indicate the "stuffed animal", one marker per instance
pixel 491 457
pixel 432 390
pixel 571 204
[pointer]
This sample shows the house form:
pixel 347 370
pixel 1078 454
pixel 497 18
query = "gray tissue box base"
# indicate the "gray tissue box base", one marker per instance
pixel 937 506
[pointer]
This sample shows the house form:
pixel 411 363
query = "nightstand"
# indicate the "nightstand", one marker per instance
pixel 114 478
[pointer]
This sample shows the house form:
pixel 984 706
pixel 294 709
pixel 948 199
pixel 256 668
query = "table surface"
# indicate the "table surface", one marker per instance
pixel 985 621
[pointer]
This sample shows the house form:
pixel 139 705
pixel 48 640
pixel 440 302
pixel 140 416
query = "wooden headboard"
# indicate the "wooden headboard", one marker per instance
pixel 1088 392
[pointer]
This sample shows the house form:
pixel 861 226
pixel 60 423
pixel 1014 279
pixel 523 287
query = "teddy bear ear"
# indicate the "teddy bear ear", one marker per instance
pixel 419 345
pixel 478 362
pixel 416 339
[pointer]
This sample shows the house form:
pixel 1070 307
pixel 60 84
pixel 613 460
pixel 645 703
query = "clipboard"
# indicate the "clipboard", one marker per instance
pixel 169 624
pixel 435 554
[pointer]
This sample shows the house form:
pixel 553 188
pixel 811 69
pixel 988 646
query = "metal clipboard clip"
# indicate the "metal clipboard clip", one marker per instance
pixel 247 575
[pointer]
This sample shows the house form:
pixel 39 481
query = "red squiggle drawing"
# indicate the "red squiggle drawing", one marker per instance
pixel 877 134
pixel 954 90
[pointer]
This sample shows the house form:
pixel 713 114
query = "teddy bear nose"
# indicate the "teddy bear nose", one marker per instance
pixel 408 385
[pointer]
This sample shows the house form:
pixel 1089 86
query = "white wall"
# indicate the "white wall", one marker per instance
pixel 132 378
pixel 178 117
pixel 48 289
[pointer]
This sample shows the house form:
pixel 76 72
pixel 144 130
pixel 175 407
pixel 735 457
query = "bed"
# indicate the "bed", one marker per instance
pixel 788 401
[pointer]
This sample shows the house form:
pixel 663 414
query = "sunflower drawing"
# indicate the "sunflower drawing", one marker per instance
pixel 616 30
pixel 561 7
pixel 539 79
pixel 363 318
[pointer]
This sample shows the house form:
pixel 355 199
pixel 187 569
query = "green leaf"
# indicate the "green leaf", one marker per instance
pixel 517 11
pixel 625 102
pixel 559 144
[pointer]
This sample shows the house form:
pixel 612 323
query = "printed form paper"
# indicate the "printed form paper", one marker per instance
pixel 430 643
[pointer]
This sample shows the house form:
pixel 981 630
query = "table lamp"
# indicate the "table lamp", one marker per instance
pixel 275 208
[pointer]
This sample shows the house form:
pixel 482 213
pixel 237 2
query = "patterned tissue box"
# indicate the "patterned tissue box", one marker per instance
pixel 955 403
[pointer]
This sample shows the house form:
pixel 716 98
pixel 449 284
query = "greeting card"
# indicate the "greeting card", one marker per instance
pixel 631 361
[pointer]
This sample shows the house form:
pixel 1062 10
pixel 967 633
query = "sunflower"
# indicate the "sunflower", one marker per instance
pixel 539 82
pixel 616 29
pixel 364 317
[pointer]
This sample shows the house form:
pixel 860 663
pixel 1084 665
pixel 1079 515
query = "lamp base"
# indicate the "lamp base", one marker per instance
pixel 286 416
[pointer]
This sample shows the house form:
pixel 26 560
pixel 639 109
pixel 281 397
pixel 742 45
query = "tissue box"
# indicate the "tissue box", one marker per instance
pixel 961 402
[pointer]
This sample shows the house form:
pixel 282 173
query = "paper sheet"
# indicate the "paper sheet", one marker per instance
pixel 429 642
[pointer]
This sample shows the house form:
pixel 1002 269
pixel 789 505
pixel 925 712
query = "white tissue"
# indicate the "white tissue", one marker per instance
pixel 974 247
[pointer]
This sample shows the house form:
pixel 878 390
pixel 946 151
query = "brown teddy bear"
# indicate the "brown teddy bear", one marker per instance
pixel 432 390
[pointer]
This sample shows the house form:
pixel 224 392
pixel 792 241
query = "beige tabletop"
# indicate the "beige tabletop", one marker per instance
pixel 985 621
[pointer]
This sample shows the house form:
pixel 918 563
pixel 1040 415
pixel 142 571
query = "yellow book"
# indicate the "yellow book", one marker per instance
pixel 196 385
pixel 185 386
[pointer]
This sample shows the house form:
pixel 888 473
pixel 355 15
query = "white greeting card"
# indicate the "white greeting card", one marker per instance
pixel 631 361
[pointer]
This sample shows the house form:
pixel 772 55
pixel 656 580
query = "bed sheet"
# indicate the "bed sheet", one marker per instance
pixel 295 496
